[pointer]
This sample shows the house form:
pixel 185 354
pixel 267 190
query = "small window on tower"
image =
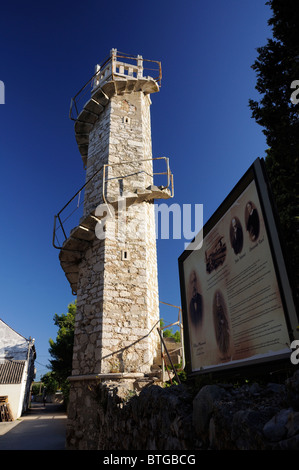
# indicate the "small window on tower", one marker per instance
pixel 126 120
pixel 125 255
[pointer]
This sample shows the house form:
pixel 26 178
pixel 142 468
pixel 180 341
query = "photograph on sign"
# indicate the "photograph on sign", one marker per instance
pixel 232 305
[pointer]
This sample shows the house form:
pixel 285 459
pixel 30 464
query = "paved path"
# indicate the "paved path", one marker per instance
pixel 42 428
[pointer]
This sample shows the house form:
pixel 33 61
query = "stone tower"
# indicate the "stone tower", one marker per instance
pixel 110 257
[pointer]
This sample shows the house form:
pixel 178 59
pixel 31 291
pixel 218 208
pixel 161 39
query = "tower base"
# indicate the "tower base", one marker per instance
pixel 88 404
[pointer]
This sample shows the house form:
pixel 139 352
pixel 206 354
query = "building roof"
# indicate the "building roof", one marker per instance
pixel 11 372
pixel 10 328
pixel 13 346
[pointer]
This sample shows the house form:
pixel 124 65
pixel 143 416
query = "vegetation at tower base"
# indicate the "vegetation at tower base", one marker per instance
pixel 62 349
pixel 168 333
pixel 277 70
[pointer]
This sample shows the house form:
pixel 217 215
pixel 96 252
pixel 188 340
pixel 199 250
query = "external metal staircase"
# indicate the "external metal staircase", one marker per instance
pixel 112 77
pixel 77 240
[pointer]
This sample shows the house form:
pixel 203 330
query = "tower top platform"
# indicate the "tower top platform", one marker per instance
pixel 120 66
pixel 118 74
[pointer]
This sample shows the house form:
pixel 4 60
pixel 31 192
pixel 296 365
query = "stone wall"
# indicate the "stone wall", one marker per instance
pixel 117 291
pixel 251 417
pixel 217 417
pixel 117 287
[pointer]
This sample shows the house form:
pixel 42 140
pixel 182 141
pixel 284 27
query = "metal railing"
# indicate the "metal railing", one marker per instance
pixel 78 199
pixel 164 351
pixel 63 221
pixel 119 177
pixel 111 67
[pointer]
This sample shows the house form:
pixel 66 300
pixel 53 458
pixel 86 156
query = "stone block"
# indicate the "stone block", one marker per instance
pixel 203 407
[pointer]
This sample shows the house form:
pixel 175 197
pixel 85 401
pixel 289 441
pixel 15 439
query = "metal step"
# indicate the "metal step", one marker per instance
pixel 100 96
pixel 83 127
pixel 81 236
pixel 74 248
pixel 94 106
pixel 87 116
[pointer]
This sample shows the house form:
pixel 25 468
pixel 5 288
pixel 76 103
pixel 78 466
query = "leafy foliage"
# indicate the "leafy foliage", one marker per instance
pixel 50 383
pixel 277 68
pixel 168 333
pixel 62 349
pixel 36 388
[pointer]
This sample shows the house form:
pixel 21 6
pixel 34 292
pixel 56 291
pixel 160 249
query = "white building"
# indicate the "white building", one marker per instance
pixel 17 355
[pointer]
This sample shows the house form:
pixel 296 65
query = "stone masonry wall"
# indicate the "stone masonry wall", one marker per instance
pixel 117 305
pixel 117 290
pixel 217 417
pixel 121 134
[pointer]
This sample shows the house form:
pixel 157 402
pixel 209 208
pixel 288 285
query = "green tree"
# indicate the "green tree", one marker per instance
pixel 168 333
pixel 49 382
pixel 36 388
pixel 61 350
pixel 277 70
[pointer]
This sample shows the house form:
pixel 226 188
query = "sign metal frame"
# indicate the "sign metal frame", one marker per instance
pixel 257 174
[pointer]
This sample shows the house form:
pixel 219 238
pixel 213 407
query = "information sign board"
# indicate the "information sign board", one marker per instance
pixel 237 303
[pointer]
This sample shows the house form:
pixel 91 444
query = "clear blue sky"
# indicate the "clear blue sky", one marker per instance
pixel 200 120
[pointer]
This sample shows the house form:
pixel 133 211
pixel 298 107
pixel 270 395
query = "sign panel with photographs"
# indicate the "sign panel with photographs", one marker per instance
pixel 233 308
